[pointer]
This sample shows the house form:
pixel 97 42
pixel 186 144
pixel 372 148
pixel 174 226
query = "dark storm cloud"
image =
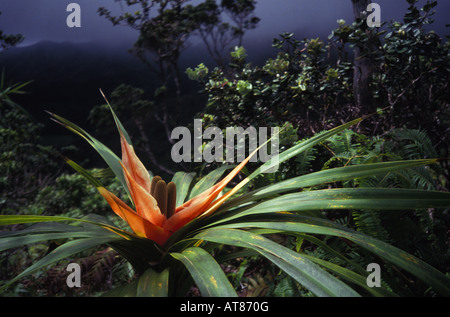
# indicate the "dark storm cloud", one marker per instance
pixel 46 19
pixel 41 20
pixel 318 17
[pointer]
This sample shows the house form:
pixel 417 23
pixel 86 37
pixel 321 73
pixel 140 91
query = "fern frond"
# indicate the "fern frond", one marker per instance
pixel 413 143
pixel 304 161
pixel 370 223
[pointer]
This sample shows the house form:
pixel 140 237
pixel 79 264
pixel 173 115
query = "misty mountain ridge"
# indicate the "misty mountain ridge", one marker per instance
pixel 66 76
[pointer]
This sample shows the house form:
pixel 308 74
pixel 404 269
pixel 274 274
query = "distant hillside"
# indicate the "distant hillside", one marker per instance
pixel 67 76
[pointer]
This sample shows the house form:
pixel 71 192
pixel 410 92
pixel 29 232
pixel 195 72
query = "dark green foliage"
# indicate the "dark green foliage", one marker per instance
pixel 100 268
pixel 70 195
pixel 31 183
pixel 297 86
pixel 420 232
pixel 25 165
pixel 310 83
pixel 73 195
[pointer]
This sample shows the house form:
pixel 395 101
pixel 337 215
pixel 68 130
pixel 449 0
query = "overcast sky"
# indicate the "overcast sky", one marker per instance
pixel 46 19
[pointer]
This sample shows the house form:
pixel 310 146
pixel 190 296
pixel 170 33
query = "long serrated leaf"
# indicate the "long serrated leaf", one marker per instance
pixel 6 220
pixel 23 219
pixel 206 272
pixel 16 241
pixel 351 277
pixel 119 124
pixel 44 227
pixel 301 269
pixel 328 176
pixel 352 198
pixel 52 231
pixel 300 224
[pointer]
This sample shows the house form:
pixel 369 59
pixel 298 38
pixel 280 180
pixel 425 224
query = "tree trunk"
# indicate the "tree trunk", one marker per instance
pixel 363 66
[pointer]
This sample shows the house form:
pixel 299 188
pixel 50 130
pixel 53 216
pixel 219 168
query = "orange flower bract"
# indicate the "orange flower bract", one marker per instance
pixel 148 220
